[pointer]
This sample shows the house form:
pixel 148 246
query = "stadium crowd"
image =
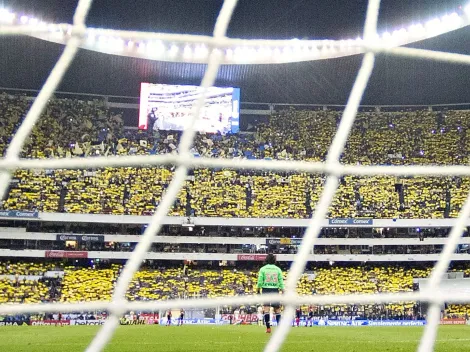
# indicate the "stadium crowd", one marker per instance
pixel 74 128
pixel 81 283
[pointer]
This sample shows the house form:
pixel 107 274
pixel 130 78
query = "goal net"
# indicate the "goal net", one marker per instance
pixel 218 48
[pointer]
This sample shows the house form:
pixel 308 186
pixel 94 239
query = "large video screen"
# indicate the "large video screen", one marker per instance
pixel 168 107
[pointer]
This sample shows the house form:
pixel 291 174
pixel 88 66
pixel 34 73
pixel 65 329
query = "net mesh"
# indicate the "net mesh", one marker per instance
pixel 184 161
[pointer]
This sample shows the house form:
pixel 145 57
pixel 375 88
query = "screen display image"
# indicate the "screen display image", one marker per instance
pixel 169 107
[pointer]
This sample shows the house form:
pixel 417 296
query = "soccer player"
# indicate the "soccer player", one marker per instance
pixel 310 318
pixel 168 317
pixel 236 316
pixel 260 316
pixel 180 319
pixel 270 280
pixel 298 315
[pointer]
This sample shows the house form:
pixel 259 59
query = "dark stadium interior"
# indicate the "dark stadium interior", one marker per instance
pixel 26 62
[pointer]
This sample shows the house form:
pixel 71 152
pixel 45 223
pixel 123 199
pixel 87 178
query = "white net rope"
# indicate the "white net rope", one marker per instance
pixel 184 161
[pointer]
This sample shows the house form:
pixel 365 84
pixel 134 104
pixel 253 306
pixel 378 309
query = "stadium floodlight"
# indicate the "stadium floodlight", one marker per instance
pixel 155 48
pixel 287 52
pixel 296 43
pixel 451 21
pixel 253 54
pixel 173 50
pixel 325 49
pixel 42 25
pixel 434 26
pixel 141 48
pixel 188 52
pixel 386 35
pixel 396 35
pixel 336 49
pixel 91 37
pixel 239 54
pixel 33 21
pixel 264 52
pixel 403 32
pixel 351 43
pixel 160 47
pixel 417 30
pixel 24 19
pixel 298 50
pixel 201 52
pixel 6 16
pixel 116 44
pixel 229 54
pixel 102 40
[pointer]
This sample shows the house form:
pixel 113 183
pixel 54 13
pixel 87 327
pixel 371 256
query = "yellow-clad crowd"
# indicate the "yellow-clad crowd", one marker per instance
pixel 74 128
pixel 337 280
pixel 132 191
pixel 23 291
pixel 460 310
pixel 26 268
pixel 15 287
pixel 181 283
pixel 63 124
pixel 84 284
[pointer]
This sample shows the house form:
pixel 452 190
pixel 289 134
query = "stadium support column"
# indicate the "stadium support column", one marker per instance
pixel 248 197
pixel 63 194
pixel 308 207
pixel 188 202
pixel 447 206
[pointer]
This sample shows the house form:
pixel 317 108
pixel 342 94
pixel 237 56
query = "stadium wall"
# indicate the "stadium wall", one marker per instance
pixel 218 221
pixel 230 257
pixel 250 108
pixel 40 236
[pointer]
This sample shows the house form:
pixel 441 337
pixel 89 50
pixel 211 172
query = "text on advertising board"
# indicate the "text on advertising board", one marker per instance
pixel 66 254
pixel 80 238
pixel 356 222
pixel 457 321
pixel 254 257
pixel 50 322
pixel 283 241
pixel 18 214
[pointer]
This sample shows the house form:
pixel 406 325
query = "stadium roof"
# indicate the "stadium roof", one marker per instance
pixel 25 62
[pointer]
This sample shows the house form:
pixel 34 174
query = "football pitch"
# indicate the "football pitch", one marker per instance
pixel 229 338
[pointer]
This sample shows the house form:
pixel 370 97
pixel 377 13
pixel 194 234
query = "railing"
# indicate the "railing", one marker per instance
pixel 351 258
pixel 126 102
pixel 234 221
pixel 412 240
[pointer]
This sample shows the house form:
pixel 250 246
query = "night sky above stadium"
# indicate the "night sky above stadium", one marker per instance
pixel 25 61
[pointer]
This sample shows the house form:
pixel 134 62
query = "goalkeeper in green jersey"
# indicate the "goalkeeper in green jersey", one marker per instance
pixel 270 280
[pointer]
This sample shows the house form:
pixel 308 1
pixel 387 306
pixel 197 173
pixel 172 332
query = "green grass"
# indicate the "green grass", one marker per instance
pixel 229 338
